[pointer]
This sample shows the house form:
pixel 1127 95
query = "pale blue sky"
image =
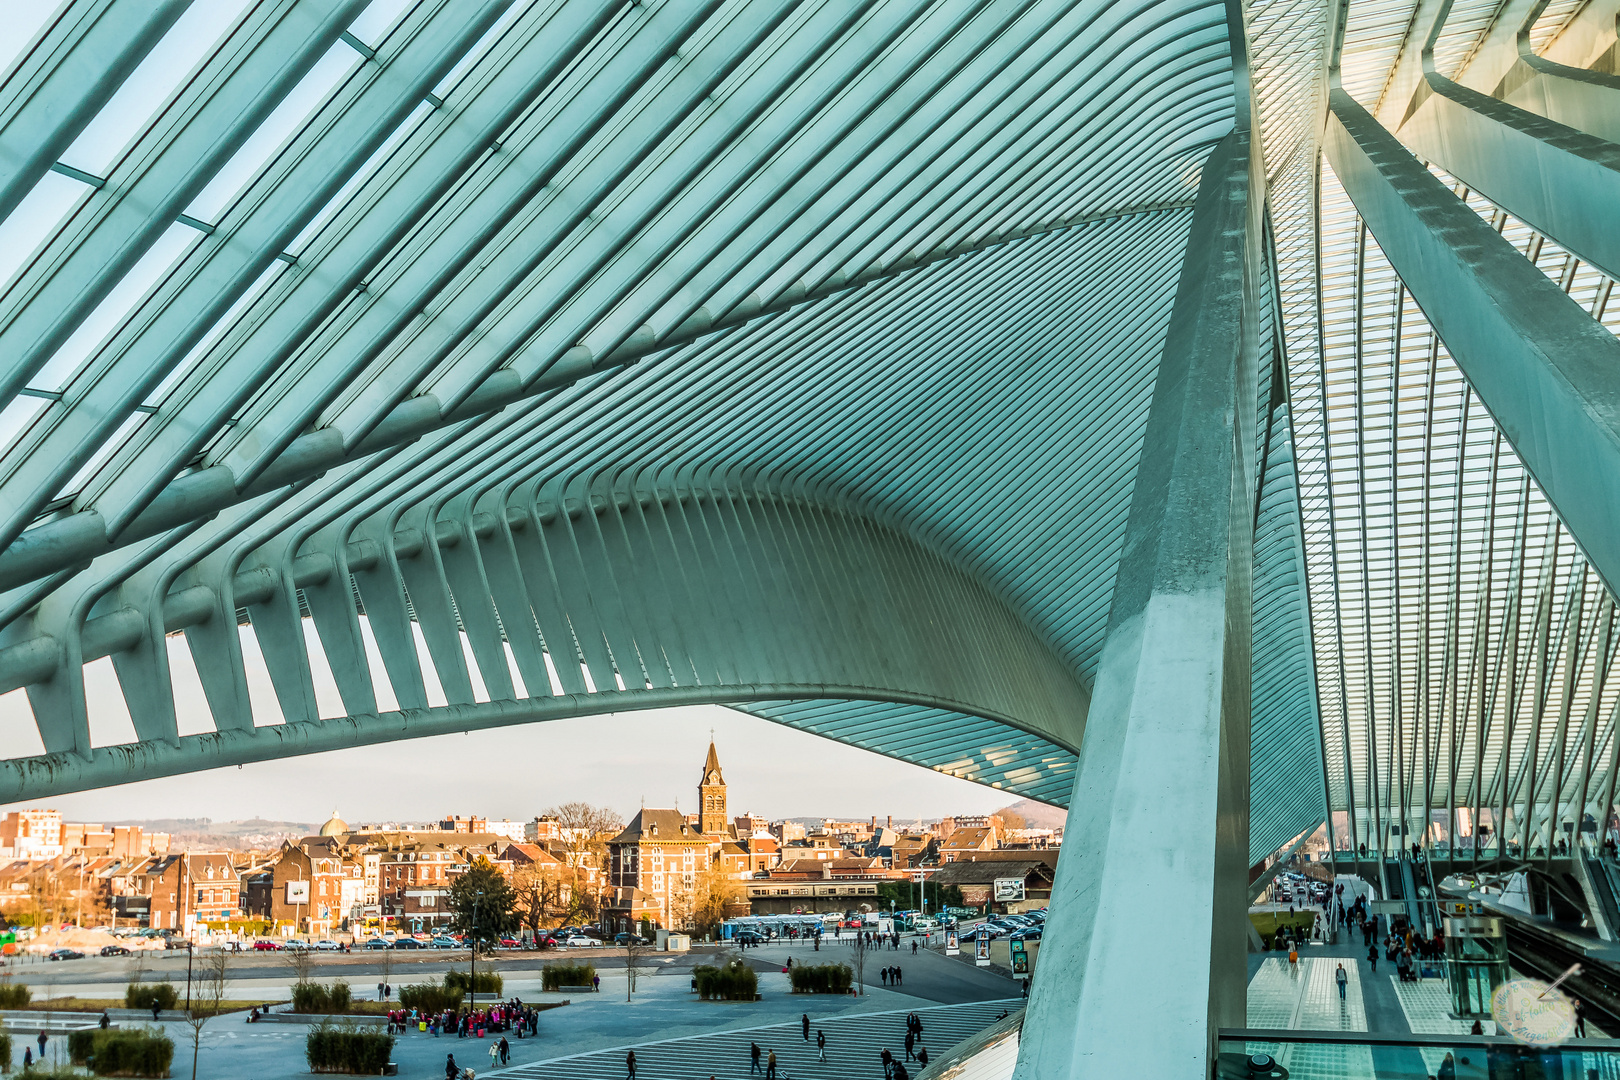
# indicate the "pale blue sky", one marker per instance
pixel 617 760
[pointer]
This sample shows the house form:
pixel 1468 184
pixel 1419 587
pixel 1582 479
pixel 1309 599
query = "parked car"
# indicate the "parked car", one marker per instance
pixel 511 943
pixel 65 954
pixel 296 943
pixel 114 950
pixel 579 941
pixel 1031 934
pixel 408 943
pixel 375 943
pixel 266 946
pixel 749 937
pixel 175 943
pixel 328 946
pixel 629 939
pixel 442 942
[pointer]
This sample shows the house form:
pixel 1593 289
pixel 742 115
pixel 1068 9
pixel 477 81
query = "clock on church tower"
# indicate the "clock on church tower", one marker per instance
pixel 712 796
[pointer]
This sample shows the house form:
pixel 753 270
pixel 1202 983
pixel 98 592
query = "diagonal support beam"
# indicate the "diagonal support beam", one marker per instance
pixel 1564 182
pixel 1158 833
pixel 1542 366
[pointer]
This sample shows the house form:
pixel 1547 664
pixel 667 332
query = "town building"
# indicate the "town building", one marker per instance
pixel 31 834
pixel 977 879
pixel 654 862
pixel 542 830
pixel 966 839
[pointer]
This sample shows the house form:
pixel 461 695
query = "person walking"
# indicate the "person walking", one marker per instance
pixel 821 1045
pixel 41 1040
pixel 1341 978
pixel 157 1008
pixel 888 1064
pixel 1580 1019
pixel 1372 957
pixel 911 1040
pixel 450 1070
pixel 884 975
pixel 770 1066
pixel 28 1058
pixel 630 1066
pixel 922 1057
pixel 494 1054
pixel 506 1050
pixel 804 1025
pixel 913 946
pixel 753 1055
pixel 899 980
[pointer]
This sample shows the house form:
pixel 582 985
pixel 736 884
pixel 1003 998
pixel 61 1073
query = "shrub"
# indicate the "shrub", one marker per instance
pixel 735 981
pixel 821 978
pixel 14 995
pixel 429 997
pixel 555 976
pixel 488 982
pixel 145 995
pixel 347 1049
pixel 122 1051
pixel 5 1051
pixel 309 997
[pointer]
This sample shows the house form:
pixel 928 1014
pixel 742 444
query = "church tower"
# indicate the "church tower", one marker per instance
pixel 712 797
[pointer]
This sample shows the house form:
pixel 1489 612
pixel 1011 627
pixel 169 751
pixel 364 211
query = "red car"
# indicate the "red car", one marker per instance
pixel 266 946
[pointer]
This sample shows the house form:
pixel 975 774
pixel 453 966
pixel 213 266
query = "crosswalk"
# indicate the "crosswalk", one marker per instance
pixel 854 1043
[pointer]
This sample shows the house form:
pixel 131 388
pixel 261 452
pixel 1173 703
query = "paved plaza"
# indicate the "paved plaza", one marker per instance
pixel 592 1029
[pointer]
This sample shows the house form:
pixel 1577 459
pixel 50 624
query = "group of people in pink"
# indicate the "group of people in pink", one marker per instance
pixel 510 1016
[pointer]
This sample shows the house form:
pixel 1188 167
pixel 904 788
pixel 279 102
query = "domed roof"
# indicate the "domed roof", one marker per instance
pixel 335 827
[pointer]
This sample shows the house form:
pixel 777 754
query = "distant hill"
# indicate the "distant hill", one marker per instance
pixel 1038 815
pixel 235 835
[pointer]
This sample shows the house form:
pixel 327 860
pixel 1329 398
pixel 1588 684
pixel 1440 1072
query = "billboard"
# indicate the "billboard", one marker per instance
pixel 1009 889
pixel 981 954
pixel 297 892
pixel 1020 959
pixel 953 945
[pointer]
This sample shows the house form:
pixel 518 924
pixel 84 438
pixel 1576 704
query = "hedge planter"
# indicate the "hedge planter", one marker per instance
pixel 311 997
pixel 143 1052
pixel 145 995
pixel 557 976
pixel 429 997
pixel 821 978
pixel 735 981
pixel 488 982
pixel 348 1049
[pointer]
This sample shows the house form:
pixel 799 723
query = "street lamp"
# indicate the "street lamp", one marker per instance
pixel 472 977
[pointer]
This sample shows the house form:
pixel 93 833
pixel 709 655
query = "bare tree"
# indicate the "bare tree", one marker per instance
pixel 302 962
pixel 858 950
pixel 585 830
pixel 540 893
pixel 633 951
pixel 208 991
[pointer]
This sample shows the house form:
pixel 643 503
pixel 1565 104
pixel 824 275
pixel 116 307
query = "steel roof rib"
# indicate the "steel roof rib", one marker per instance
pixel 794 356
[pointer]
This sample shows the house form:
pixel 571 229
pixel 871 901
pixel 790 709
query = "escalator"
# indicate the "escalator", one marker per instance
pixel 1605 881
pixel 1399 885
pixel 1409 893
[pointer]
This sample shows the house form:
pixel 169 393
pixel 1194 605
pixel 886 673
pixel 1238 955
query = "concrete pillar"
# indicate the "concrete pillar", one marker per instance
pixel 1144 952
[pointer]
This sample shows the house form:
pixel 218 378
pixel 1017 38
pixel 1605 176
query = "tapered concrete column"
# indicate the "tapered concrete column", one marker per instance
pixel 1144 951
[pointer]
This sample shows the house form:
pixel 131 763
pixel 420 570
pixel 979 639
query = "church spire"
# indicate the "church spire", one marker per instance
pixel 712 796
